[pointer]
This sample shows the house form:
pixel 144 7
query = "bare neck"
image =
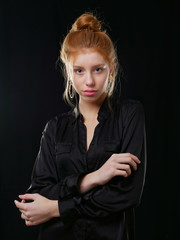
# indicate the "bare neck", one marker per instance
pixel 90 110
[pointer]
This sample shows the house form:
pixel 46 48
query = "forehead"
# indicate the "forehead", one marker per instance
pixel 87 57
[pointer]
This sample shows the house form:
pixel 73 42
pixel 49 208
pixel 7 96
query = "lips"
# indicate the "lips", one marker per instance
pixel 89 92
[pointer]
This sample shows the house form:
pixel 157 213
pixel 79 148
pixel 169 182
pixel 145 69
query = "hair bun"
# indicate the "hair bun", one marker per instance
pixel 86 21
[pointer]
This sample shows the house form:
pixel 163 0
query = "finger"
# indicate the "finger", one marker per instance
pixel 133 164
pixel 121 173
pixel 20 205
pixel 135 158
pixel 22 211
pixel 127 161
pixel 28 223
pixel 28 196
pixel 23 216
pixel 125 167
pixel 17 203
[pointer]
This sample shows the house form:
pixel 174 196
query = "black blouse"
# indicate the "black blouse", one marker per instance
pixel 105 212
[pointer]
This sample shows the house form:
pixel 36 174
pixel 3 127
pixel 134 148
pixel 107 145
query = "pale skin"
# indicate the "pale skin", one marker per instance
pixel 89 72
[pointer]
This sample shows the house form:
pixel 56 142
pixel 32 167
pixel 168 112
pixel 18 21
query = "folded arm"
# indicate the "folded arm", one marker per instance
pixel 120 193
pixel 99 193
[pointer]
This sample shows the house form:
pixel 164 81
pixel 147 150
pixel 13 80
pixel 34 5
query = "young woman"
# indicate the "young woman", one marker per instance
pixel 89 172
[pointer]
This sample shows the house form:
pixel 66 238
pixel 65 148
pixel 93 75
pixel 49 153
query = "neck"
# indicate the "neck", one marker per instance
pixel 89 110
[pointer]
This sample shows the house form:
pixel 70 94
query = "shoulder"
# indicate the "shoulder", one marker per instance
pixel 132 106
pixel 128 104
pixel 56 121
pixel 129 108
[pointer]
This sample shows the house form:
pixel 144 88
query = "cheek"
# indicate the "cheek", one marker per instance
pixel 104 81
pixel 75 85
pixel 76 82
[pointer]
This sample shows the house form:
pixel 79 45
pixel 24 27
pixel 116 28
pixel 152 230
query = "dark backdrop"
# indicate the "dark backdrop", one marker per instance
pixel 31 94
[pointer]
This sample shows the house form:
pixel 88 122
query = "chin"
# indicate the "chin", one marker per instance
pixel 94 99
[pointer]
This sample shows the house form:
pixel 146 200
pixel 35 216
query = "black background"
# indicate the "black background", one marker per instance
pixel 31 94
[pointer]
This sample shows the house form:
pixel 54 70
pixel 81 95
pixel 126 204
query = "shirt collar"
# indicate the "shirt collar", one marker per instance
pixel 103 113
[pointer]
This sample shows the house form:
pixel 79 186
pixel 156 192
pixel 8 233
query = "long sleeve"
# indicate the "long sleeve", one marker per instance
pixel 120 193
pixel 45 179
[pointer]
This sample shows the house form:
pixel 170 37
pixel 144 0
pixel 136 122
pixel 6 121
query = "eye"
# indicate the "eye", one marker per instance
pixel 99 69
pixel 78 71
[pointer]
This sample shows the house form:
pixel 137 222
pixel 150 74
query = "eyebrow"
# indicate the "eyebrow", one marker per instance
pixel 95 66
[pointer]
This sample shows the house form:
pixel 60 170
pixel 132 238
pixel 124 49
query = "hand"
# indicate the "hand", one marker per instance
pixel 117 165
pixel 40 210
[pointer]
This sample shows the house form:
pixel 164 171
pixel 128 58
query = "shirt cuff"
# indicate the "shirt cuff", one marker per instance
pixel 68 209
pixel 70 198
pixel 69 186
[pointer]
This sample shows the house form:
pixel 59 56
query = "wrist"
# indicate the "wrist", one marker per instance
pixel 54 209
pixel 88 182
pixel 94 179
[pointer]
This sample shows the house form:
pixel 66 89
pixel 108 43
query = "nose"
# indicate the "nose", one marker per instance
pixel 89 80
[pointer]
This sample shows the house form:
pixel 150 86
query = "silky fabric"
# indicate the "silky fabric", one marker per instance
pixel 105 212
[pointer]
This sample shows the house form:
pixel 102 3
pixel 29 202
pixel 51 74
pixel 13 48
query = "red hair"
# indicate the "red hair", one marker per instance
pixel 86 34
